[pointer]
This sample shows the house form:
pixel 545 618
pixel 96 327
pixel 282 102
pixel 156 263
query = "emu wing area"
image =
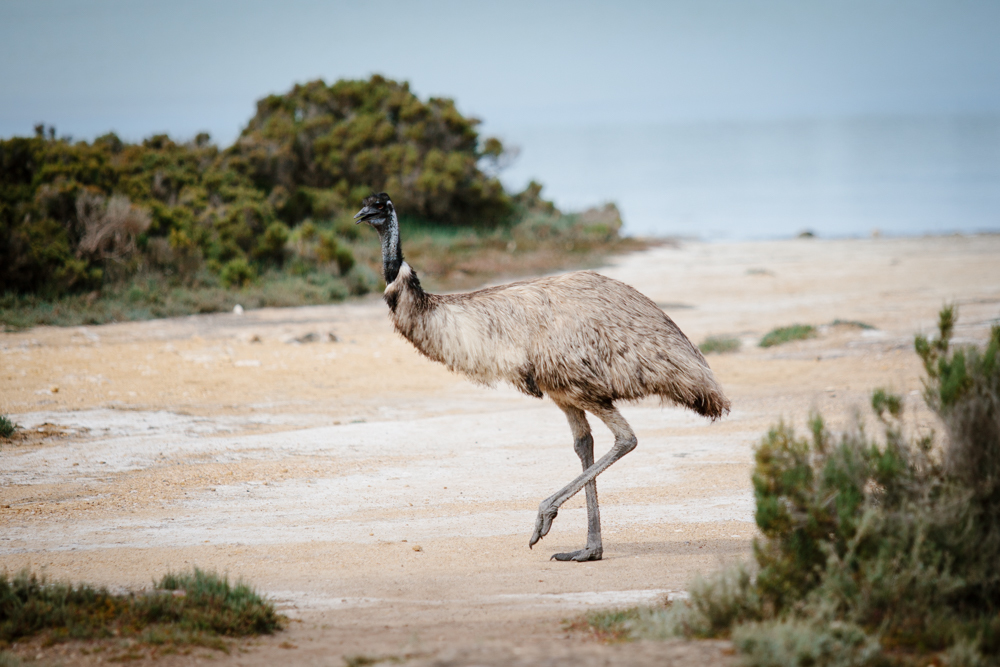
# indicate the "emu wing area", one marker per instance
pixel 593 340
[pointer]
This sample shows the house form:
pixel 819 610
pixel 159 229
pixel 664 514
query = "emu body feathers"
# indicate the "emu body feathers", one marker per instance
pixel 584 340
pixel 582 337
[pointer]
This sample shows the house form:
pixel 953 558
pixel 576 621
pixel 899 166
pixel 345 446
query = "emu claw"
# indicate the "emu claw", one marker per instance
pixel 580 556
pixel 543 522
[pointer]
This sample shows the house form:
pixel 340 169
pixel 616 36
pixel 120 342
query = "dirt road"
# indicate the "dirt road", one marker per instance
pixel 387 504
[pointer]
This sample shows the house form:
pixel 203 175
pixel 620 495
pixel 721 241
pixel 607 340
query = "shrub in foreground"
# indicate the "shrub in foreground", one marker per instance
pixel 190 608
pixel 874 550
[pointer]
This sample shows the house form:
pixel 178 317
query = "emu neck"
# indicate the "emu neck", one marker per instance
pixel 392 254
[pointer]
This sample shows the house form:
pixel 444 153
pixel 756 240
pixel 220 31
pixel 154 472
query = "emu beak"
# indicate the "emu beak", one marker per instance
pixel 363 215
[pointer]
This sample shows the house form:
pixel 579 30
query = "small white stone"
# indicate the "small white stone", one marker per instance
pixel 237 309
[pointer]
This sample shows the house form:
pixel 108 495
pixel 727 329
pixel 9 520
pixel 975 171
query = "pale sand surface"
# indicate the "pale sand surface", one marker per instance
pixel 387 504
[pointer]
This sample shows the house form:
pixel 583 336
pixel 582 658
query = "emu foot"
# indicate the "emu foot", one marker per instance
pixel 543 522
pixel 581 556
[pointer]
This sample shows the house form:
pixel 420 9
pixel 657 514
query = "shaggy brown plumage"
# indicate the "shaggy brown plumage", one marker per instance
pixel 582 336
pixel 585 340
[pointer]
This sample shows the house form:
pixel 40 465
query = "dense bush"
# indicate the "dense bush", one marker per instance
pixel 873 549
pixel 319 148
pixel 76 216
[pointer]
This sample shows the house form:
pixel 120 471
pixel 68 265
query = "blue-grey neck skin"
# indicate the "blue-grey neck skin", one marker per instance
pixel 392 255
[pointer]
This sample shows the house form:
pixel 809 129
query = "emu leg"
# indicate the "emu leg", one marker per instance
pixel 583 444
pixel 625 442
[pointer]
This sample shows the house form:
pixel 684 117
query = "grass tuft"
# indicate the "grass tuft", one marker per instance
pixel 851 323
pixel 719 345
pixel 7 427
pixel 196 608
pixel 783 335
pixel 608 626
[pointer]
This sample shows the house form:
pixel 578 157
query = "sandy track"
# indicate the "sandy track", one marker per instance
pixel 387 503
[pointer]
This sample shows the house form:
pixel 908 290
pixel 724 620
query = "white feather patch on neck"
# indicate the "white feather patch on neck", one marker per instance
pixel 404 273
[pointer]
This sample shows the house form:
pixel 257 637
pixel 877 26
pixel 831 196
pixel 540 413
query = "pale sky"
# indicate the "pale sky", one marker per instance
pixel 180 67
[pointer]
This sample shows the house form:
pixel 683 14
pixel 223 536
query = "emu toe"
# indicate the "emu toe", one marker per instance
pixel 543 522
pixel 581 556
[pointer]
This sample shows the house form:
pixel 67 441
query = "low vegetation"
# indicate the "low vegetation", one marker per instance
pixel 152 295
pixel 108 230
pixel 607 626
pixel 784 335
pixel 852 323
pixel 446 257
pixel 719 345
pixel 7 427
pixel 196 608
pixel 874 550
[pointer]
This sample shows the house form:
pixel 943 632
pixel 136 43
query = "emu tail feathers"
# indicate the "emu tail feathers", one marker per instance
pixel 710 402
pixel 703 395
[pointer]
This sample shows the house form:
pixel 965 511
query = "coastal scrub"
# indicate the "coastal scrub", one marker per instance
pixel 874 550
pixel 192 608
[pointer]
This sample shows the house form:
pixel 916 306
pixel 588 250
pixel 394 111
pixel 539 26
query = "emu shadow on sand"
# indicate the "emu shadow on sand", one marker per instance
pixel 585 340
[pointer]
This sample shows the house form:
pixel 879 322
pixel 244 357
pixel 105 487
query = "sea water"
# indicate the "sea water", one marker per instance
pixel 757 180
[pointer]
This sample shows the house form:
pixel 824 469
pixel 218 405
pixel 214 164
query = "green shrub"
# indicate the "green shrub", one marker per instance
pixel 608 626
pixel 345 260
pixel 963 388
pixel 851 323
pixel 211 604
pixel 719 345
pixel 793 642
pixel 75 216
pixel 872 549
pixel 192 240
pixel 271 245
pixel 237 273
pixel 362 280
pixel 327 247
pixel 715 605
pixel 78 216
pixel 318 149
pixel 7 427
pixel 787 334
pixel 206 605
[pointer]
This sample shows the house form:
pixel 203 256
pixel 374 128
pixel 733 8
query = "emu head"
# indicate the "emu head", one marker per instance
pixel 377 211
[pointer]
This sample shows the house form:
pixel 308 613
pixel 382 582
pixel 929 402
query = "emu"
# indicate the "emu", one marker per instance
pixel 584 340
